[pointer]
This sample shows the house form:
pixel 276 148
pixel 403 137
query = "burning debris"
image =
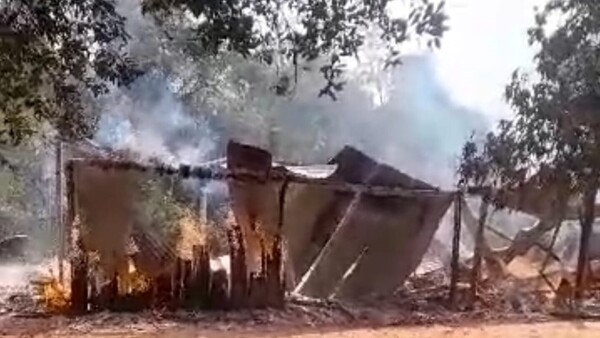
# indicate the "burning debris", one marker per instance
pixel 51 295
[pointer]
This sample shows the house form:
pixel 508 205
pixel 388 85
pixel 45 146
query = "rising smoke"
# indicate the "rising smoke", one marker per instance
pixel 417 130
pixel 414 125
pixel 148 120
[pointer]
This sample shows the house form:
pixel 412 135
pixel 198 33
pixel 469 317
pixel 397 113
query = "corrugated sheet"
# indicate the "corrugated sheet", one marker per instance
pixel 382 238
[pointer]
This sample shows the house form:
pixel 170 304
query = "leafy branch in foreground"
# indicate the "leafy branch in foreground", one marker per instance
pixel 55 56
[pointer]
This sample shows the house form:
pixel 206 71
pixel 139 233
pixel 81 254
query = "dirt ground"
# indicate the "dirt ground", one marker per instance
pixel 546 330
pixel 579 329
pixel 410 315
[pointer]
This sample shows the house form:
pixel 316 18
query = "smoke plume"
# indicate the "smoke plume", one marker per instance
pixel 148 120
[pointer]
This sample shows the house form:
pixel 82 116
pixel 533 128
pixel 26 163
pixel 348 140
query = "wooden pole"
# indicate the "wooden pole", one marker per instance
pixel 71 213
pixel 238 268
pixel 59 213
pixel 177 282
pixel 258 176
pixel 275 292
pixel 187 284
pixel 201 279
pixel 277 254
pixel 455 249
pixel 79 278
pixel 475 272
pixel 79 260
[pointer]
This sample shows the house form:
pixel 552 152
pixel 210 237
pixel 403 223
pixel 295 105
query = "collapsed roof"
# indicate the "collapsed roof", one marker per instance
pixel 339 243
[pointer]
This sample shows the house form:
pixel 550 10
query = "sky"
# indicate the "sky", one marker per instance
pixel 486 42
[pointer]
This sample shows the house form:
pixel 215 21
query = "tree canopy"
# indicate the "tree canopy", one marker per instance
pixel 555 133
pixel 293 31
pixel 53 55
pixel 58 56
pixel 556 126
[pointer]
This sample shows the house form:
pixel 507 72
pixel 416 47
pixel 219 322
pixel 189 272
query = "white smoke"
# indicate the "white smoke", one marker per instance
pixel 148 120
pixel 403 118
pixel 414 126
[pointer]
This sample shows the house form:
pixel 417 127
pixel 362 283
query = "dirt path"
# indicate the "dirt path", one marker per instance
pixel 578 329
pixel 546 330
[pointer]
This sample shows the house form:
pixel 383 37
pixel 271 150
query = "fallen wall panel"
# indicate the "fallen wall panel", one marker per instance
pixel 397 245
pixel 327 231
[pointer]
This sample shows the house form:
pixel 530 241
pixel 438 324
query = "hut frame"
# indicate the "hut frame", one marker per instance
pixel 80 298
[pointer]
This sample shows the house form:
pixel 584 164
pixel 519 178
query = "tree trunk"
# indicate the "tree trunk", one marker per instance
pixel 455 249
pixel 587 224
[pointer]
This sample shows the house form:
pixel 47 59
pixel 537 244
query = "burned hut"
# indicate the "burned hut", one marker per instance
pixel 352 228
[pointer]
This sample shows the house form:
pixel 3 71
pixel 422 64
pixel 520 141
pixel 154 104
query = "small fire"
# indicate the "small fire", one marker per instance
pixel 190 234
pixel 133 280
pixel 51 294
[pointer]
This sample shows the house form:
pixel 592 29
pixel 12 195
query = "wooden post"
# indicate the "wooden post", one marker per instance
pixel 272 266
pixel 187 284
pixel 275 289
pixel 455 274
pixel 257 291
pixel 475 272
pixel 587 225
pixel 79 279
pixel 177 282
pixel 201 280
pixel 59 221
pixel 238 269
pixel 67 222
